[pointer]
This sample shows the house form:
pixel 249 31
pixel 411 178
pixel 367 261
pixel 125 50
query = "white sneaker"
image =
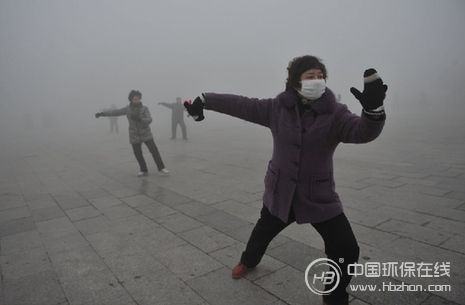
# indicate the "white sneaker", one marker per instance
pixel 164 172
pixel 142 174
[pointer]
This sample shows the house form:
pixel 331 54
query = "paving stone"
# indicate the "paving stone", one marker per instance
pixel 289 285
pixel 22 264
pixel 222 221
pixel 187 261
pixel 372 236
pixel 8 202
pixel 93 193
pixel 119 211
pixel 358 302
pixel 384 182
pixel 160 289
pixel 304 233
pixel 158 240
pixel 370 218
pixel 217 287
pixel 138 200
pixel 72 265
pixel 417 181
pixel 20 242
pixel 121 192
pixel 41 203
pixel 446 225
pixel 178 222
pixel 17 226
pixel 403 215
pixel 356 185
pixel 456 243
pixel 457 194
pixel 169 198
pixel 56 228
pixel 194 208
pixel 240 210
pixel 295 254
pixel 106 243
pixel 207 239
pixel 36 289
pixel 96 287
pixel 93 225
pixel 82 213
pixel 44 214
pixel 14 213
pixel 155 210
pixel 31 195
pixel 410 200
pixel 414 231
pixel 435 300
pixel 243 233
pixel 245 197
pixel 133 263
pixel 105 202
pixel 73 203
pixel 133 224
pixel 71 242
pixel 423 189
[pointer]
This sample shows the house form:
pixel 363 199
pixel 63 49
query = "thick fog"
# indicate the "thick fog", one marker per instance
pixel 62 61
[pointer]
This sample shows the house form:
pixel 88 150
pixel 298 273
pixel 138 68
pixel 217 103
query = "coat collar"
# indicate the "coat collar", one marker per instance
pixel 325 104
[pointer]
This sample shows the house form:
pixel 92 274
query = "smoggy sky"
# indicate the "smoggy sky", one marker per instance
pixel 70 56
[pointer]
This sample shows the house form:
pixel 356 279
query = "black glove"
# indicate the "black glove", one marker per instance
pixel 195 108
pixel 98 114
pixel 374 91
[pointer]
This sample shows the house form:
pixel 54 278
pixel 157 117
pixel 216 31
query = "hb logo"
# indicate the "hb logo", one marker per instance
pixel 321 279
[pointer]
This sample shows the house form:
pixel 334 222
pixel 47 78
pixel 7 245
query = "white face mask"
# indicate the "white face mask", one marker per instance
pixel 312 89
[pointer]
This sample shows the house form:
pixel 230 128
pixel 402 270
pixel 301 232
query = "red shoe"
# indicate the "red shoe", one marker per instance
pixel 239 271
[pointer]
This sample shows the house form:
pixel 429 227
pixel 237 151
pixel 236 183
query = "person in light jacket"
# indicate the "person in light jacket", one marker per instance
pixel 177 117
pixel 307 124
pixel 139 131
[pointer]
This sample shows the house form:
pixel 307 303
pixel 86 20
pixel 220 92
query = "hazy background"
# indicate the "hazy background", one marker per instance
pixel 62 61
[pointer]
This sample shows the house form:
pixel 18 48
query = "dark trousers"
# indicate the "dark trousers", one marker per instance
pixel 174 125
pixel 337 235
pixel 137 148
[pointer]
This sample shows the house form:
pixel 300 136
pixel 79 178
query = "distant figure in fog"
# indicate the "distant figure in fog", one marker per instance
pixel 113 120
pixel 177 117
pixel 307 124
pixel 139 131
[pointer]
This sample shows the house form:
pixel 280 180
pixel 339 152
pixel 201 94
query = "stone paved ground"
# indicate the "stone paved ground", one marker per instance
pixel 77 226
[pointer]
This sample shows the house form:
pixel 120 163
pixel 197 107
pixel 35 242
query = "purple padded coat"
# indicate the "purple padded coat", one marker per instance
pixel 300 173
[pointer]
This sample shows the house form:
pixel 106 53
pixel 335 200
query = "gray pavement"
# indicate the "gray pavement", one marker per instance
pixel 78 227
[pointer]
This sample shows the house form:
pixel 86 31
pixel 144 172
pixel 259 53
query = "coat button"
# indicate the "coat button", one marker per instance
pixel 304 130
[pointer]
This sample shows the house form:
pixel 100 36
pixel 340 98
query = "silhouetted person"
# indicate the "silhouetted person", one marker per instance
pixel 113 120
pixel 177 117
pixel 139 131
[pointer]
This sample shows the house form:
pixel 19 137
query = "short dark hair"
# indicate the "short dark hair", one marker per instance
pixel 134 93
pixel 299 65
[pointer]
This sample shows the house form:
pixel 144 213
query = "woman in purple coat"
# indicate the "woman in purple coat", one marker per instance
pixel 307 124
